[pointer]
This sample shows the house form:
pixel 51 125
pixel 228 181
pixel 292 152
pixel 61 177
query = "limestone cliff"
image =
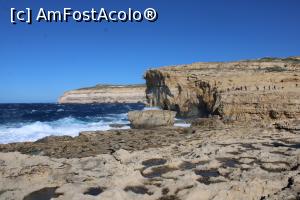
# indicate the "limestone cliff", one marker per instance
pixel 267 88
pixel 106 94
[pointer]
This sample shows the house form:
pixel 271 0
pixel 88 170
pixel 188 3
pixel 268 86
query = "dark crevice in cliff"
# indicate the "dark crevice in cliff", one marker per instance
pixel 177 96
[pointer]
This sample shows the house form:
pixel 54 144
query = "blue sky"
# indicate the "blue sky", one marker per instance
pixel 39 62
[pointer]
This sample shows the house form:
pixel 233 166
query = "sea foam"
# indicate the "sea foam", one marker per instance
pixel 67 126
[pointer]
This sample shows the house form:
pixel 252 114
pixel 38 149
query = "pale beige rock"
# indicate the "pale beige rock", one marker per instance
pixel 265 89
pixel 123 156
pixel 151 118
pixel 106 94
pixel 232 163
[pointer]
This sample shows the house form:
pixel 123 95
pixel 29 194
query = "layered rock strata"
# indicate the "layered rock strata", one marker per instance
pixel 106 94
pixel 263 89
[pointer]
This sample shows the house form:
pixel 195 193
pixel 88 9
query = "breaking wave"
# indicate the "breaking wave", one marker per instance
pixel 30 122
pixel 66 126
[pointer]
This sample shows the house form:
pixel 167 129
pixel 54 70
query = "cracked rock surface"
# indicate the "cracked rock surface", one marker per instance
pixel 232 162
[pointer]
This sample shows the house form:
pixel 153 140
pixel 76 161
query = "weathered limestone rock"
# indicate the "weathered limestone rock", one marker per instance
pixel 98 142
pixel 292 125
pixel 207 122
pixel 264 89
pixel 249 163
pixel 151 118
pixel 106 94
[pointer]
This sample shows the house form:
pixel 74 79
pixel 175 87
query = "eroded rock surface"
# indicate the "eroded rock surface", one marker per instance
pixel 264 89
pixel 151 118
pixel 233 162
pixel 106 94
pixel 101 142
pixel 290 125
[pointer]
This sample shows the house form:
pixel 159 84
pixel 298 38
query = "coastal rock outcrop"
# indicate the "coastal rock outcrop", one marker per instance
pixel 249 163
pixel 151 118
pixel 264 89
pixel 106 94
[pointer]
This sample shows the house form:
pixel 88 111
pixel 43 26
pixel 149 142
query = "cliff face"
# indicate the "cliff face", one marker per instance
pixel 267 88
pixel 106 94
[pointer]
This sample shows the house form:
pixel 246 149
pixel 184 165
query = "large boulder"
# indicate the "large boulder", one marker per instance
pixel 151 118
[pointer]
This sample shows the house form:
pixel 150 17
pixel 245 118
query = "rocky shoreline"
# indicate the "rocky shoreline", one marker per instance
pixel 228 162
pixel 243 143
pixel 262 89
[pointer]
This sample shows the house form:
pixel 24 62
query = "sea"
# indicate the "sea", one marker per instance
pixel 30 122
